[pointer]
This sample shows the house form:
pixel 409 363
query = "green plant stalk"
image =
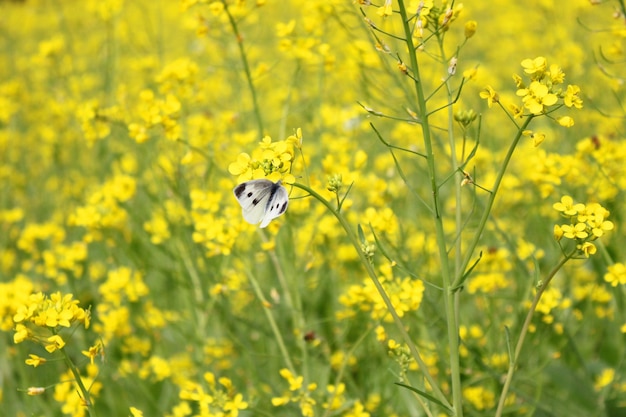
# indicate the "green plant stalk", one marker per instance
pixel 520 341
pixel 458 214
pixel 492 197
pixel 448 294
pixel 197 289
pixel 272 322
pixel 246 68
pixel 370 271
pixel 81 386
pixel 295 305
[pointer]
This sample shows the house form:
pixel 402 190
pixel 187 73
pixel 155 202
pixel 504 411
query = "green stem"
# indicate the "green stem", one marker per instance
pixel 370 271
pixel 492 197
pixel 81 386
pixel 272 322
pixel 246 68
pixel 449 294
pixel 520 342
pixel 200 303
pixel 294 303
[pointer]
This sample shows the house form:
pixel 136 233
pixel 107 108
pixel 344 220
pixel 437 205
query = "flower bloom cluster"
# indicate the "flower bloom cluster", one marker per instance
pixel 297 393
pixel 542 95
pixel 587 222
pixel 49 313
pixel 219 400
pixel 405 294
pixel 272 160
pixel 544 89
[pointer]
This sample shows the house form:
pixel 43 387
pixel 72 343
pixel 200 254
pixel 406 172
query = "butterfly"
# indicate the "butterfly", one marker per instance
pixel 261 200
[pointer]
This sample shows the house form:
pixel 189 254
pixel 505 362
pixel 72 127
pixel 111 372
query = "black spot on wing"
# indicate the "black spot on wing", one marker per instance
pixel 240 189
pixel 274 206
pixel 282 208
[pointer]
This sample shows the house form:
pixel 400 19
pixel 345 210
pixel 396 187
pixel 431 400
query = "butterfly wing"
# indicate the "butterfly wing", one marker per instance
pixel 276 205
pixel 253 197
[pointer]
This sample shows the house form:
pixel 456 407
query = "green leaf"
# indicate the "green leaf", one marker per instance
pixel 429 397
pixel 468 272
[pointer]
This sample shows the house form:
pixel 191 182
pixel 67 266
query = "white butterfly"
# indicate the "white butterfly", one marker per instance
pixel 261 200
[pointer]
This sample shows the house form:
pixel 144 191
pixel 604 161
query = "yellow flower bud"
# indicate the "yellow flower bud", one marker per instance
pixel 470 28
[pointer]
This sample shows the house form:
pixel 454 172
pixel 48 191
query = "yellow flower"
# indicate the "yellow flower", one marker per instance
pixel 537 138
pixel 385 9
pixel 605 378
pixel 278 401
pixel 587 248
pixel 556 74
pixel 285 29
pixel 558 232
pixel 567 206
pixel 237 403
pixel 54 343
pixel 616 274
pixel 21 333
pixel 35 360
pixel 577 231
pixel 481 398
pixel 537 97
pixel 470 28
pixel 490 95
pixel 595 216
pixel 93 352
pixel 566 121
pixel 158 228
pixel 295 383
pixel 135 412
pixel 534 66
pixel 571 98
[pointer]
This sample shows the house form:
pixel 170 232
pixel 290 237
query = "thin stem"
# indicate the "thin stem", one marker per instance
pixel 492 197
pixel 449 295
pixel 520 342
pixel 200 303
pixel 246 68
pixel 81 386
pixel 293 302
pixel 370 270
pixel 268 314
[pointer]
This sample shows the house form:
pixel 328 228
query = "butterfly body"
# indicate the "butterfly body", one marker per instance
pixel 261 200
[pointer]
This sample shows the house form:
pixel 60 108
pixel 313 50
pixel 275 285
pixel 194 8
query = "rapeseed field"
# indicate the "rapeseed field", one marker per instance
pixel 452 243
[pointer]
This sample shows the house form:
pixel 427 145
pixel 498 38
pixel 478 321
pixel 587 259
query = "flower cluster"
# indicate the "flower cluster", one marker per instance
pixel 587 222
pixel 220 398
pixel 297 393
pixel 271 160
pixel 156 113
pixel 49 313
pixel 544 90
pixel 405 294
pixel 41 320
pixel 543 94
pixel 116 136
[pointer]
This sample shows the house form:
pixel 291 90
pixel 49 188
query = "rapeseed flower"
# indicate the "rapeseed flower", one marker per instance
pixel 616 274
pixel 114 165
pixel 51 312
pixel 297 393
pixel 537 97
pixel 480 398
pixel 587 223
